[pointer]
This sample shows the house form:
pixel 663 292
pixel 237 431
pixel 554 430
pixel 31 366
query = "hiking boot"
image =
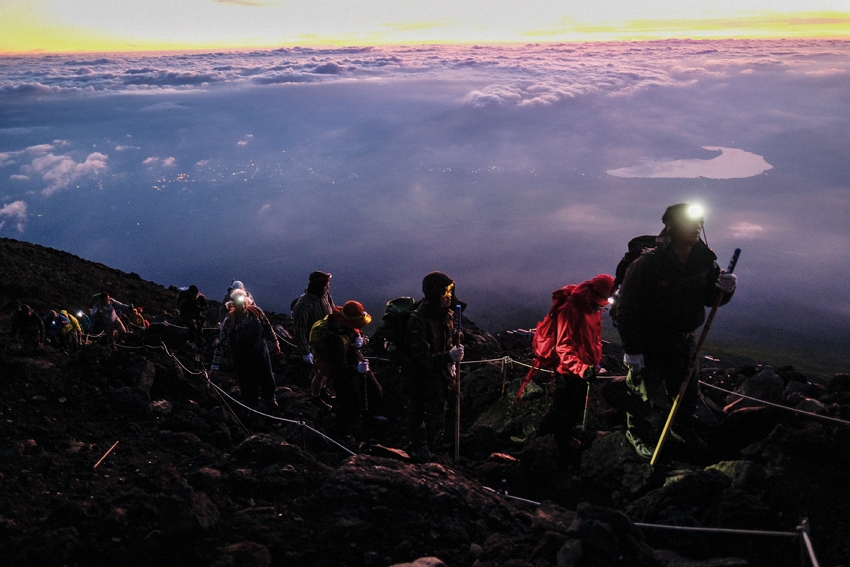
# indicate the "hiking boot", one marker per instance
pixel 643 448
pixel 320 403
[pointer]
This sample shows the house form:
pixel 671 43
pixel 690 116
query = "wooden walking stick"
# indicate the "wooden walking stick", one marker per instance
pixel 457 324
pixel 683 388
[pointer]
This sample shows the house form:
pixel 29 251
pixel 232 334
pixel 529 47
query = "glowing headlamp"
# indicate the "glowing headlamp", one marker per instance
pixel 79 313
pixel 695 212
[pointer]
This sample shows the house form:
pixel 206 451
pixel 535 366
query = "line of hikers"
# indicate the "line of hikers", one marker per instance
pixel 65 330
pixel 663 285
pixel 659 298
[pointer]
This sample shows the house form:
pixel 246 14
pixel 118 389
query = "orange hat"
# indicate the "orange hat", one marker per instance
pixel 352 315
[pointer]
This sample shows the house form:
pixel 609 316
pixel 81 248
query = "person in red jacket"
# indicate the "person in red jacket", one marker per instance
pixel 579 349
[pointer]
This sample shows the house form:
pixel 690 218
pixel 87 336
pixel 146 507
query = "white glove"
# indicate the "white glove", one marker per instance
pixel 456 353
pixel 308 358
pixel 727 282
pixel 363 366
pixel 633 361
pixel 357 341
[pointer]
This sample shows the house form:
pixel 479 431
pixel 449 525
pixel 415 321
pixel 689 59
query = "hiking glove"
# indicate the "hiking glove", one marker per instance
pixel 456 353
pixel 308 358
pixel 633 361
pixel 363 366
pixel 357 341
pixel 590 375
pixel 727 283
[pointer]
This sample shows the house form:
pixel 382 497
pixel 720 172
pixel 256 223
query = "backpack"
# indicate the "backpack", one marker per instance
pixel 390 337
pixel 318 333
pixel 545 338
pixel 637 246
pixel 248 336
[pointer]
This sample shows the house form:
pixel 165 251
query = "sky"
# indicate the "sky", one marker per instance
pixel 50 26
pixel 516 168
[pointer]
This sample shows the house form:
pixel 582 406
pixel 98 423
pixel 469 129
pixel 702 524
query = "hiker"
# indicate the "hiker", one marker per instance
pixel 106 314
pixel 578 346
pixel 245 332
pixel 86 320
pixel 234 285
pixel 662 302
pixel 53 327
pixel 137 319
pixel 27 326
pixel 311 306
pixel 428 379
pixel 72 331
pixel 192 305
pixel 335 341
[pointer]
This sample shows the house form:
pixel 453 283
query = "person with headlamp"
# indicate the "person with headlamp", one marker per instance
pixel 429 380
pixel 662 302
pixel 246 332
pixel 578 347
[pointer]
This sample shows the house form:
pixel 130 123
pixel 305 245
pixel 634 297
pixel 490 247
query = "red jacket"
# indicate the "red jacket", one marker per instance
pixel 578 341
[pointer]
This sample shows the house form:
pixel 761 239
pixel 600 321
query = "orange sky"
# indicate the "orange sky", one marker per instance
pixel 39 26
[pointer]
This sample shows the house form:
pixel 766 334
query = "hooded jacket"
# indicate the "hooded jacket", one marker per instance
pixel 661 296
pixel 578 341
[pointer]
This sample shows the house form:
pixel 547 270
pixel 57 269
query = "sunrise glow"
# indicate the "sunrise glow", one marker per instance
pixel 54 26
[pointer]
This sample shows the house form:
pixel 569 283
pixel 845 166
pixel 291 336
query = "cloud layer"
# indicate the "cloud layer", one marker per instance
pixel 514 169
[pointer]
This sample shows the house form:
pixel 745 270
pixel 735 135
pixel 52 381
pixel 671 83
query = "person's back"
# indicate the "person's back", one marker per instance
pixel 244 332
pixel 578 346
pixel 27 326
pixel 312 306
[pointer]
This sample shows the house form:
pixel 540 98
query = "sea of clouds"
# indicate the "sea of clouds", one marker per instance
pixel 515 169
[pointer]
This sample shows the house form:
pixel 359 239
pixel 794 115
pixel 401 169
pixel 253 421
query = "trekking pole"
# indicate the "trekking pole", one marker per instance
pixel 457 324
pixel 693 363
pixel 586 403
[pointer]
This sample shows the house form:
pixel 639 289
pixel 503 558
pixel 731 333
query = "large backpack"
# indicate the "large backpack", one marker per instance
pixel 389 339
pixel 637 246
pixel 318 333
pixel 545 338
pixel 249 335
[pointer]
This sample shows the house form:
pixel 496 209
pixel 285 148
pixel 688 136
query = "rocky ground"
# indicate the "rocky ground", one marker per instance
pixel 193 479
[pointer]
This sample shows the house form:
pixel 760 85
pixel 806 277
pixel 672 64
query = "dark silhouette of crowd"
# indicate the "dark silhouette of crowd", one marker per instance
pixel 661 296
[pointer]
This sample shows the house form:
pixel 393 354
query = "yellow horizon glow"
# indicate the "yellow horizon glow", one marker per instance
pixel 101 26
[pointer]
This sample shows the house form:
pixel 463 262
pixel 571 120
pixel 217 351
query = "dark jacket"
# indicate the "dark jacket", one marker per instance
pixel 661 296
pixel 191 307
pixel 246 333
pixel 308 309
pixel 429 336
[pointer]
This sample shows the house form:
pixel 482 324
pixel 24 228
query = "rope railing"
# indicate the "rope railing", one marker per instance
pixel 222 392
pixel 765 402
pixel 509 360
pixel 801 530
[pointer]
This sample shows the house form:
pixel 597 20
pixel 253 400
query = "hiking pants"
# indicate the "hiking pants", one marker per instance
pixel 431 409
pixel 347 405
pixel 566 410
pixel 254 372
pixel 658 383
